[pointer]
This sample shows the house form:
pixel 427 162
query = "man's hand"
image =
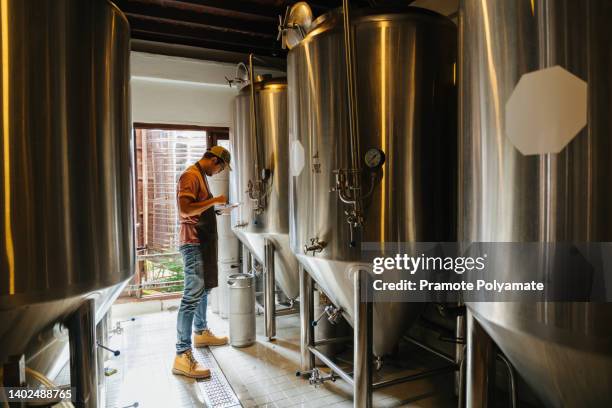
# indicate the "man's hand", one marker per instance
pixel 190 208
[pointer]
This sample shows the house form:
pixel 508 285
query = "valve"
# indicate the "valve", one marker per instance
pixel 315 246
pixel 333 315
pixel 115 352
pixel 118 328
pixel 315 376
pixel 256 192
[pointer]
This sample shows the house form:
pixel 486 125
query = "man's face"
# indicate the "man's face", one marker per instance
pixel 216 167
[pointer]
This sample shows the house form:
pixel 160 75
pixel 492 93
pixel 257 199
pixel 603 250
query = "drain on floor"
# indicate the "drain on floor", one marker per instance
pixel 216 389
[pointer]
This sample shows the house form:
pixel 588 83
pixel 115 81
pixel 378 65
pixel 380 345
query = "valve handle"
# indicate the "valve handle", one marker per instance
pixel 115 352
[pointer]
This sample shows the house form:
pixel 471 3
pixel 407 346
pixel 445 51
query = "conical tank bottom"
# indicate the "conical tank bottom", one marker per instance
pixel 286 266
pixel 561 349
pixel 390 319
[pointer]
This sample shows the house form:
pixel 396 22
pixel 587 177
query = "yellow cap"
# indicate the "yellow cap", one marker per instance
pixel 222 154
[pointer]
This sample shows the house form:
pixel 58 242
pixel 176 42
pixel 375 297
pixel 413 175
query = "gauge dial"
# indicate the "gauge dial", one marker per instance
pixel 374 158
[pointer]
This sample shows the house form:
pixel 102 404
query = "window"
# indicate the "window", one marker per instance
pixel 163 152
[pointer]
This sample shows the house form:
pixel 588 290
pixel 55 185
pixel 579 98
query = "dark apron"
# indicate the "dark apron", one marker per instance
pixel 207 234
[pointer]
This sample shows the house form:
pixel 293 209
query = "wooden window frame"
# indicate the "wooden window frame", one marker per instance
pixel 213 133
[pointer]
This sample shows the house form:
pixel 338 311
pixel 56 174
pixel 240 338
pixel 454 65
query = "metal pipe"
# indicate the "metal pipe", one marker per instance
pixel 83 355
pixel 351 85
pixel 269 286
pixel 333 366
pixel 480 365
pixel 414 377
pixel 511 379
pixel 438 353
pixel 362 360
pixel 325 342
pixel 307 360
pixel 286 311
pixel 253 115
pixel 354 217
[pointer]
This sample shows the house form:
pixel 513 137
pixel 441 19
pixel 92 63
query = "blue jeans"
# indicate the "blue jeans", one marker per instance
pixel 192 311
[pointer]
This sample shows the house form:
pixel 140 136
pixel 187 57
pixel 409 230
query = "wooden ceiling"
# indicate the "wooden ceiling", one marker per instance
pixel 230 26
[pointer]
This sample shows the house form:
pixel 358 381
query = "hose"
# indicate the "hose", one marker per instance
pixel 40 378
pixel 47 383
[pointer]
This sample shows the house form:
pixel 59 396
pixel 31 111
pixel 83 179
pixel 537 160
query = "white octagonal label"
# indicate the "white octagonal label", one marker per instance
pixel 546 111
pixel 296 158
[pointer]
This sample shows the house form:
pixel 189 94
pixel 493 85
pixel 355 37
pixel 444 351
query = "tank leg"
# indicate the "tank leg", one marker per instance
pixel 83 353
pixel 102 339
pixel 14 375
pixel 307 360
pixel 480 365
pixel 459 353
pixel 246 260
pixel 269 286
pixel 362 360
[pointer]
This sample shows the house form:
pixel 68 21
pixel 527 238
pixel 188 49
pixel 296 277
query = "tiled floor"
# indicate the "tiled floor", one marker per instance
pixel 144 378
pixel 262 375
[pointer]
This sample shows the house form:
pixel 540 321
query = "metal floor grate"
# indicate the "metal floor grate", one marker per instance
pixel 216 389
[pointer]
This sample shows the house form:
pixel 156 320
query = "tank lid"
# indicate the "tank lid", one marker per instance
pixel 265 82
pixel 333 18
pixel 240 280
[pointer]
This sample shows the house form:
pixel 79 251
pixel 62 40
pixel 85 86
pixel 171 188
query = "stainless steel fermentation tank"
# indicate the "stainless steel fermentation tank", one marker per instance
pixel 563 350
pixel 406 104
pixel 261 179
pixel 66 226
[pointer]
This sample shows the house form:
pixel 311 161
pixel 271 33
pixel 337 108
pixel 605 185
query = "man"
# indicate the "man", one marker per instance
pixel 198 246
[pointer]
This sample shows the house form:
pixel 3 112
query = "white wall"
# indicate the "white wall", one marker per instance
pixel 159 102
pixel 173 90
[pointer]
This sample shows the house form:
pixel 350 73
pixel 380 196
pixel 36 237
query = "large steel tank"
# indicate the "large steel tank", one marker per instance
pixel 66 153
pixel 407 109
pixel 563 350
pixel 264 156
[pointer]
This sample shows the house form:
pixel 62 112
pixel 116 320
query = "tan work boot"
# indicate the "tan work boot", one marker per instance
pixel 186 364
pixel 207 338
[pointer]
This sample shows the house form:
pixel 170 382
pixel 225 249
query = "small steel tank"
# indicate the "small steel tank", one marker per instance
pixel 405 61
pixel 242 309
pixel 66 153
pixel 264 157
pixel 563 350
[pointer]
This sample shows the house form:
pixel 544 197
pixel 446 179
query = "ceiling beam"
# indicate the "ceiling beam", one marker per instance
pixel 212 35
pixel 206 54
pixel 180 11
pixel 166 38
pixel 242 7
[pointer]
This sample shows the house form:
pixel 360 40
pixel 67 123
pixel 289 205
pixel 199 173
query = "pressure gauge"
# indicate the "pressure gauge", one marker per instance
pixel 374 158
pixel 265 174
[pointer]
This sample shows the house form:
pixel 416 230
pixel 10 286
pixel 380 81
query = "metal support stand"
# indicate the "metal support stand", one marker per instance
pixel 83 358
pixel 269 286
pixel 361 376
pixel 13 375
pixel 102 338
pixel 307 360
pixel 362 360
pixel 511 379
pixel 480 365
pixel 247 261
pixel 459 351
